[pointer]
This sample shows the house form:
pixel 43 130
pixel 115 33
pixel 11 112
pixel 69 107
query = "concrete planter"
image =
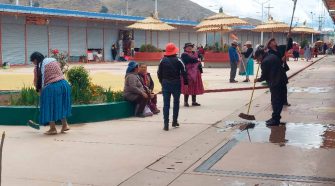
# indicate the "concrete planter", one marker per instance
pixel 19 115
pixel 216 60
pixel 150 58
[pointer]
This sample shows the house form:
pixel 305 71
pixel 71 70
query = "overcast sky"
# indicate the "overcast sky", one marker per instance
pixel 281 11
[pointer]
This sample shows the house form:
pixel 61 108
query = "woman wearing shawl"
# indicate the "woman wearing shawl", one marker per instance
pixel 134 90
pixel 149 85
pixel 247 63
pixel 194 69
pixel 55 99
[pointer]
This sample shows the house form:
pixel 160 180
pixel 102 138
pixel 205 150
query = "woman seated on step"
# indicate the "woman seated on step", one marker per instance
pixel 134 90
pixel 149 85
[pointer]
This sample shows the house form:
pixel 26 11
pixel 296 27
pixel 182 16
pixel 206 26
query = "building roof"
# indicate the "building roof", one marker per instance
pixel 82 14
pixel 330 5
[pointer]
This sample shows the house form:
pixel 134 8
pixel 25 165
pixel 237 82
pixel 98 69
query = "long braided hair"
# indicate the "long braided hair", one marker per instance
pixel 39 58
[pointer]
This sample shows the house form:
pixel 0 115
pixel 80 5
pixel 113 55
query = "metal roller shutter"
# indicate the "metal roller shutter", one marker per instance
pixel 13 45
pixel 59 38
pixel 37 39
pixel 95 38
pixel 111 37
pixel 154 38
pixel 194 38
pixel 163 39
pixel 183 38
pixel 77 41
pixel 139 38
pixel 175 38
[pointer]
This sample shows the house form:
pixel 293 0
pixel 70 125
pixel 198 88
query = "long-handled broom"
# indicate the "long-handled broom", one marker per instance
pixel 248 116
pixel 252 117
pixel 33 124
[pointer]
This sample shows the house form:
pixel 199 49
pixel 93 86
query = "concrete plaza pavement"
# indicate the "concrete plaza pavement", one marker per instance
pixel 137 151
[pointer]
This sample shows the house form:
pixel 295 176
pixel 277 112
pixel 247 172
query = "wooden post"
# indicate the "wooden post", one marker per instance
pixel 1 147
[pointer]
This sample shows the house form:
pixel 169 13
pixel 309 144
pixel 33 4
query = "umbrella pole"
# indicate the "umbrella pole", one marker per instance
pixel 150 37
pixel 214 38
pixel 221 37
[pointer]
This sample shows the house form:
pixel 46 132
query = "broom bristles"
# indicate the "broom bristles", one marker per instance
pixel 33 125
pixel 246 116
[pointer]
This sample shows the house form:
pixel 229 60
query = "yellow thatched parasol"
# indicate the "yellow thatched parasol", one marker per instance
pixel 272 26
pixel 215 29
pixel 221 19
pixel 303 29
pixel 219 22
pixel 151 24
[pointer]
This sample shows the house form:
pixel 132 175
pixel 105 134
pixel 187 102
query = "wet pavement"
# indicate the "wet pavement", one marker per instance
pixel 300 151
pixel 206 150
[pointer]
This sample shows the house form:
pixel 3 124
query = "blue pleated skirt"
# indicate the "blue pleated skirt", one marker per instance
pixel 250 68
pixel 55 102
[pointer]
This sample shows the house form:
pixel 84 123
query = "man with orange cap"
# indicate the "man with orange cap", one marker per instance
pixel 169 71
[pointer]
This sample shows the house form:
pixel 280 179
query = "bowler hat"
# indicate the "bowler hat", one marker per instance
pixel 188 44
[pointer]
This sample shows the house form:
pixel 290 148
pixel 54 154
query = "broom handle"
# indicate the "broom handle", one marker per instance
pixel 1 146
pixel 253 90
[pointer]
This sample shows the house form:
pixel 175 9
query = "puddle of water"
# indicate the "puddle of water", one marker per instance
pixel 307 136
pixel 311 90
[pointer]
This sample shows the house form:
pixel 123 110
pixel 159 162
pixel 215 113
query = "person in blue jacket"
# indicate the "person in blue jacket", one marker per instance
pixel 233 57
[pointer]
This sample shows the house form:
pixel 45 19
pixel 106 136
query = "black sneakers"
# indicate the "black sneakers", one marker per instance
pixel 272 122
pixel 175 124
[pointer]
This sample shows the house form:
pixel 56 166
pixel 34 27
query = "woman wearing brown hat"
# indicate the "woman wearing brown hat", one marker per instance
pixel 194 69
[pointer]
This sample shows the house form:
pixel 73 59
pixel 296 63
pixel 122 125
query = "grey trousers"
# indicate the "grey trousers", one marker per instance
pixel 233 69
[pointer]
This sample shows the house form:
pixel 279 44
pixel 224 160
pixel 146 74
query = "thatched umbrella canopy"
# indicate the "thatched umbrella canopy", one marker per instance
pixel 303 29
pixel 222 29
pixel 151 24
pixel 220 22
pixel 272 26
pixel 215 29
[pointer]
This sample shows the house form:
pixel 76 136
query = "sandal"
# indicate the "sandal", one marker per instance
pixel 65 129
pixel 51 132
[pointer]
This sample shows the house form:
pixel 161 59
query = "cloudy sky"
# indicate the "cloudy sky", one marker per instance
pixel 282 10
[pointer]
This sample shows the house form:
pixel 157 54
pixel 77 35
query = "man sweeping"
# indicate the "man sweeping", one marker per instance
pixel 274 74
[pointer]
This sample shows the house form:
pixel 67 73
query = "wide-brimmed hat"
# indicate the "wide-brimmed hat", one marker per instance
pixel 131 66
pixel 171 49
pixel 234 42
pixel 248 43
pixel 188 44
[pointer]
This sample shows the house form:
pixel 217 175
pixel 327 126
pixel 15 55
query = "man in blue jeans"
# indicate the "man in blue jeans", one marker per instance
pixel 233 57
pixel 169 71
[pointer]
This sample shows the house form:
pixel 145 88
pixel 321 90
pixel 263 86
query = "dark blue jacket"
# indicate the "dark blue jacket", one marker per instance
pixel 233 56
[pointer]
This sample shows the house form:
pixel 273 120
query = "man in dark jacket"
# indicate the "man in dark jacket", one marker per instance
pixel 275 76
pixel 279 51
pixel 169 71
